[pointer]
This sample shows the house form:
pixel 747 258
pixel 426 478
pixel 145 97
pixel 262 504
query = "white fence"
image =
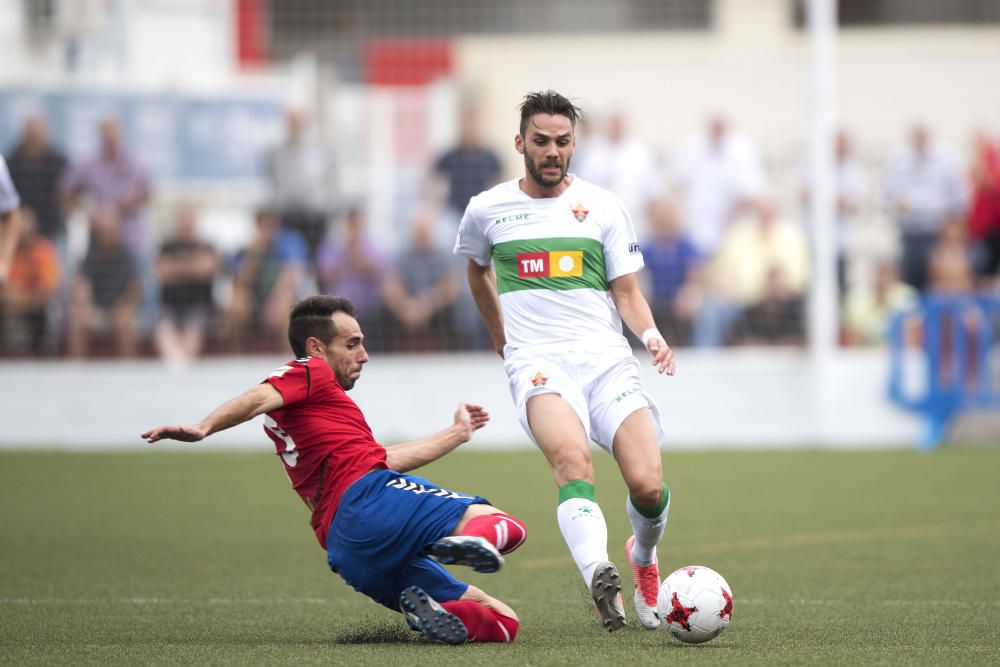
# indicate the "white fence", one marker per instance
pixel 729 398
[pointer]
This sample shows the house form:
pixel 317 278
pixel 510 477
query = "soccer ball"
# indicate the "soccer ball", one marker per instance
pixel 695 604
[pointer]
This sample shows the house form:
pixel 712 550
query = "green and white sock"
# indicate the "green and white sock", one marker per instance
pixel 582 524
pixel 647 526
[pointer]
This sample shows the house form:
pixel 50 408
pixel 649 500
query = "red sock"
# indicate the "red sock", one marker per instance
pixel 502 530
pixel 482 623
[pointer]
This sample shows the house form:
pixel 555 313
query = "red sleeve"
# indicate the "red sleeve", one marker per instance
pixel 292 381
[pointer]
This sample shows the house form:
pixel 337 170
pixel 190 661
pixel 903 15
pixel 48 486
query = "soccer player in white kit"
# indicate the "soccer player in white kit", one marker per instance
pixel 552 264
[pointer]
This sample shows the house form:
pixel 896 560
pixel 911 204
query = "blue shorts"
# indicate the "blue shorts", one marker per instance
pixel 383 523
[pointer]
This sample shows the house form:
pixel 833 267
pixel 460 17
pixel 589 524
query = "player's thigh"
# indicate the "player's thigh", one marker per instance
pixel 531 375
pixel 561 437
pixel 625 421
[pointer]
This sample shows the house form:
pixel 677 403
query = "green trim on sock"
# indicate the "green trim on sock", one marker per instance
pixel 656 511
pixel 576 489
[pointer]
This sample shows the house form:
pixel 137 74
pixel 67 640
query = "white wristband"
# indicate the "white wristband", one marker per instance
pixel 649 333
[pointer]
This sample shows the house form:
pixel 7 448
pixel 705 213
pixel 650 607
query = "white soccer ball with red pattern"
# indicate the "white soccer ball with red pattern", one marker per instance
pixel 695 604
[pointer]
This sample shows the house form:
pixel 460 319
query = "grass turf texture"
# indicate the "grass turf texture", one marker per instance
pixel 174 556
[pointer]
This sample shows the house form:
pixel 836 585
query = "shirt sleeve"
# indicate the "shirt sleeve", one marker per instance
pixel 471 242
pixel 9 199
pixel 621 247
pixel 292 381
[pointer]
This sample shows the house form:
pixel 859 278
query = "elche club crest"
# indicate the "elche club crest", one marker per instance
pixel 579 212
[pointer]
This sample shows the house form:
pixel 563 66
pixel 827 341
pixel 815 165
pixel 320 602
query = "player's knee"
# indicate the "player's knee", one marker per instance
pixel 503 531
pixel 511 533
pixel 573 465
pixel 647 492
pixel 509 625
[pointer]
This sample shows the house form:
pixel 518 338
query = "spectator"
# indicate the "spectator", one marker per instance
pixel 716 175
pixel 758 243
pixel 625 165
pixel 10 226
pixel 113 179
pixel 351 266
pixel 984 209
pixel 30 291
pixel 467 169
pixel 106 290
pixel 303 182
pixel 37 167
pixel 950 262
pixel 777 319
pixel 950 274
pixel 186 268
pixel 269 274
pixel 739 276
pixel 671 261
pixel 868 308
pixel 850 190
pixel 924 190
pixel 420 291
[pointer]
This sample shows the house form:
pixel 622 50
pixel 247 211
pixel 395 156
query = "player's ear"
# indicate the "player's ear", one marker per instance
pixel 519 143
pixel 314 347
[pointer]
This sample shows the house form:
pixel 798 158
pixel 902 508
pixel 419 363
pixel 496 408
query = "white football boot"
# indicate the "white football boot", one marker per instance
pixel 647 586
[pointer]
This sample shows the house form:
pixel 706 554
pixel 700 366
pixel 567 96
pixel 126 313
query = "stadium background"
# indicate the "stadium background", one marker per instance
pixel 177 554
pixel 202 88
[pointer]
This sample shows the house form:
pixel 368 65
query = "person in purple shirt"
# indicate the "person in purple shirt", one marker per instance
pixel 350 266
pixel 115 179
pixel 671 259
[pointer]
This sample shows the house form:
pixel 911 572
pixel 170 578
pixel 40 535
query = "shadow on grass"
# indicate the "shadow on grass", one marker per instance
pixel 378 632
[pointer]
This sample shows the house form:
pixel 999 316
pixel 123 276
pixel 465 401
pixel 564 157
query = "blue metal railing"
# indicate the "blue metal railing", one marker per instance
pixel 957 338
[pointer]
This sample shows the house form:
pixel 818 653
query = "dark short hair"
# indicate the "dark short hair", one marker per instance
pixel 548 102
pixel 310 318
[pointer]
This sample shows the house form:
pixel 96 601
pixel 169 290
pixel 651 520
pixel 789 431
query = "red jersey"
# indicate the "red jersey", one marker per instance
pixel 321 436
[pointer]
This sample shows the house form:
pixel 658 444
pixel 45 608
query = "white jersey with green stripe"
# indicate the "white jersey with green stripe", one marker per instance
pixel 554 259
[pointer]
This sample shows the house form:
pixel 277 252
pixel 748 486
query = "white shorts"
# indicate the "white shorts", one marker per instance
pixel 603 386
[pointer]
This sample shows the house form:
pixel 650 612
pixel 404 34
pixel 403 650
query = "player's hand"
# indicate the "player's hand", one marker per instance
pixel 663 356
pixel 181 433
pixel 469 418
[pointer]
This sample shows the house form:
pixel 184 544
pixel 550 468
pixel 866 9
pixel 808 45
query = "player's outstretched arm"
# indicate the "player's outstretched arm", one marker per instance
pixel 635 312
pixel 257 400
pixel 408 456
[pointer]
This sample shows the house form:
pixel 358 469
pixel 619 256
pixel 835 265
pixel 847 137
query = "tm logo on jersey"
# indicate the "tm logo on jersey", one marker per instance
pixel 556 264
pixel 413 487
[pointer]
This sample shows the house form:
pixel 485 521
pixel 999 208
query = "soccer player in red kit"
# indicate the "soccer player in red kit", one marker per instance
pixel 386 532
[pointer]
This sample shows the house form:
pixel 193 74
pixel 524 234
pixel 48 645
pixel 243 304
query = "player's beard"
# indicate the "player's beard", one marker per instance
pixel 346 382
pixel 535 172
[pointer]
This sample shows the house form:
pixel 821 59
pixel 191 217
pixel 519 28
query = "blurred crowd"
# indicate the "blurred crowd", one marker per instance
pixel 728 259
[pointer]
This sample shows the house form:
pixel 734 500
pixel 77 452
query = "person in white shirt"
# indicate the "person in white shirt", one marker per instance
pixel 552 264
pixel 924 190
pixel 715 174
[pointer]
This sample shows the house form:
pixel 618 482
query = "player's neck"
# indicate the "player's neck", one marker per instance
pixel 535 190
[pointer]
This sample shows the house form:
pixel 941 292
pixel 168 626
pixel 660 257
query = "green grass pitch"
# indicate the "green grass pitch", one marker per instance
pixel 169 555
